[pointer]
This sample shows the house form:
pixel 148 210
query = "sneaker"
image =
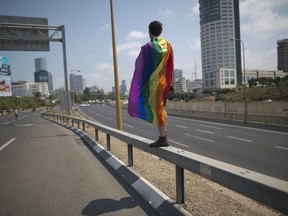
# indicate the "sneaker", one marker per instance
pixel 161 142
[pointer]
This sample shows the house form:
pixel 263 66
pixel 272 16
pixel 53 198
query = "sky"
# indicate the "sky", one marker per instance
pixel 89 41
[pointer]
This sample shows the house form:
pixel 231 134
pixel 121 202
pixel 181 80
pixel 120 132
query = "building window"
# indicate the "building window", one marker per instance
pixel 226 81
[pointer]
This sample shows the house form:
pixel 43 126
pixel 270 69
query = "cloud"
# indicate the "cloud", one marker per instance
pixel 106 67
pixel 263 60
pixel 195 9
pixel 105 27
pixel 165 12
pixel 262 20
pixel 196 45
pixel 102 76
pixel 136 35
pixel 89 57
pixel 133 44
pixel 129 48
pixel 250 7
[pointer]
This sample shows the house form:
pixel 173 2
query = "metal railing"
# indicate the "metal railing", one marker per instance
pixel 265 189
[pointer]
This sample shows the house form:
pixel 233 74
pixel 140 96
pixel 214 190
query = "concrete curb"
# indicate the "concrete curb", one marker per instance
pixel 158 200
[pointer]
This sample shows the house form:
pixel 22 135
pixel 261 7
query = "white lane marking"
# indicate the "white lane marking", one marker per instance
pixel 178 143
pixel 199 138
pixel 211 127
pixel 209 132
pixel 5 123
pixel 280 147
pixel 181 126
pixel 147 124
pixel 229 125
pixel 25 125
pixel 108 118
pixel 7 143
pixel 237 138
pixel 128 125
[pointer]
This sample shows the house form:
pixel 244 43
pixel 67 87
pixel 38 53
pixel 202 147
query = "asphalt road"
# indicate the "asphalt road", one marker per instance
pixel 263 151
pixel 47 170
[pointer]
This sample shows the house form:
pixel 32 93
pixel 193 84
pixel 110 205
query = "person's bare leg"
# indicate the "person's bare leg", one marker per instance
pixel 163 129
pixel 162 141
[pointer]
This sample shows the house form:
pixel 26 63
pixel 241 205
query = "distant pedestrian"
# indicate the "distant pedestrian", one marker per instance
pixel 152 81
pixel 16 114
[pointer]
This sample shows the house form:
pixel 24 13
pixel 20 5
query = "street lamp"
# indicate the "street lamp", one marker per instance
pixel 245 81
pixel 71 86
pixel 117 93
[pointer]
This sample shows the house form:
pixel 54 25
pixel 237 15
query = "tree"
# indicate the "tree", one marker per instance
pixel 37 94
pixel 86 94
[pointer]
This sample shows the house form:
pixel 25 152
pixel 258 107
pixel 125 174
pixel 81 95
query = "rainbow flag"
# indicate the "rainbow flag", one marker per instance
pixel 151 81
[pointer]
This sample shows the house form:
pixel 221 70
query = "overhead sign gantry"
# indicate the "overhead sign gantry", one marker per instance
pixel 33 34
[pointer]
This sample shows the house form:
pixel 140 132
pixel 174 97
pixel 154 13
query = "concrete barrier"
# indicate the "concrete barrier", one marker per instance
pixel 265 112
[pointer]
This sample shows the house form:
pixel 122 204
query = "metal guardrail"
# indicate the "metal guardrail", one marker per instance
pixel 265 189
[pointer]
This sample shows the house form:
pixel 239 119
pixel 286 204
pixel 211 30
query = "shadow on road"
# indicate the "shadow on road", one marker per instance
pixel 101 206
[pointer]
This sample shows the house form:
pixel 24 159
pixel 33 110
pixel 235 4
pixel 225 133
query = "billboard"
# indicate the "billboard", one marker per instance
pixel 5 77
pixel 32 36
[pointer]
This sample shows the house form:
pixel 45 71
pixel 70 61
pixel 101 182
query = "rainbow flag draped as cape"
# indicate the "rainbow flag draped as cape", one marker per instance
pixel 151 81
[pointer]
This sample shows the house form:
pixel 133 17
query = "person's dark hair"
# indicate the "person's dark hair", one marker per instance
pixel 155 28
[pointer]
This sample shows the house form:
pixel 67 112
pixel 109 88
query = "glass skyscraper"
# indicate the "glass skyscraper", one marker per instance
pixel 41 74
pixel 76 83
pixel 282 55
pixel 221 56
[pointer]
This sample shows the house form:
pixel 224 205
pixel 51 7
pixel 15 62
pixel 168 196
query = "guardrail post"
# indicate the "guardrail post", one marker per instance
pixel 108 142
pixel 73 122
pixel 96 134
pixel 83 126
pixel 130 155
pixel 179 185
pixel 78 124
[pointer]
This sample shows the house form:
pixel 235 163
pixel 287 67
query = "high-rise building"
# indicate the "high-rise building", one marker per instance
pixel 40 64
pixel 177 73
pixel 123 87
pixel 76 83
pixel 41 74
pixel 179 82
pixel 282 55
pixel 221 56
pixel 44 76
pixel 180 85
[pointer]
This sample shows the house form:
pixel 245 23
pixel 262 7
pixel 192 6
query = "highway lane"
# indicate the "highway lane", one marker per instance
pixel 263 151
pixel 47 170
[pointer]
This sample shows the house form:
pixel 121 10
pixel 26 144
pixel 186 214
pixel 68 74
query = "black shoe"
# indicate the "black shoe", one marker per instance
pixel 161 142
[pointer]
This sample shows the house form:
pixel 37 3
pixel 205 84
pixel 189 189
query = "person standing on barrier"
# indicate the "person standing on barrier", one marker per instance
pixel 152 81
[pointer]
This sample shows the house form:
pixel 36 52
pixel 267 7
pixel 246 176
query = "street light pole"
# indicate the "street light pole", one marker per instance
pixel 245 82
pixel 117 93
pixel 71 86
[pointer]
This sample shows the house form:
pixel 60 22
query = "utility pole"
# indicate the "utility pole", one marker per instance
pixel 117 93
